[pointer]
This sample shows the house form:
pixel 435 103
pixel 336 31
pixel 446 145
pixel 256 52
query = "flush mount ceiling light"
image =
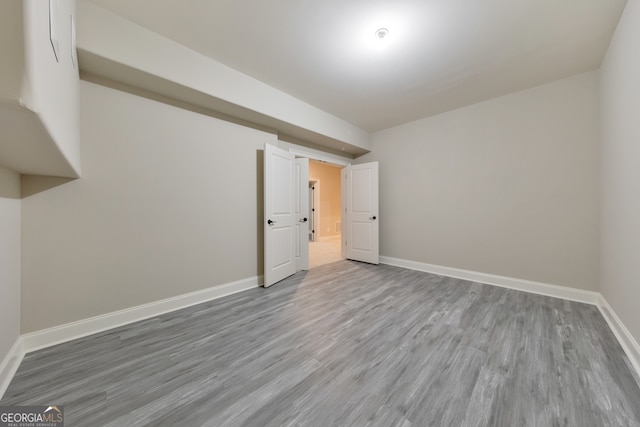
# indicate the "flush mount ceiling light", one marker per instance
pixel 381 33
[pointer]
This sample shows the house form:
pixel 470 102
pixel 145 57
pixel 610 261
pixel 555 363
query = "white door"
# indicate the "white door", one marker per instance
pixel 279 214
pixel 302 214
pixel 360 183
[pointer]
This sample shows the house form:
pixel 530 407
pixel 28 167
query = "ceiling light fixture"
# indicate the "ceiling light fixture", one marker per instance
pixel 381 33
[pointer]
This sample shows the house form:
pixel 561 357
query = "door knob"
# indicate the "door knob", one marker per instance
pixel 372 218
pixel 303 220
pixel 270 222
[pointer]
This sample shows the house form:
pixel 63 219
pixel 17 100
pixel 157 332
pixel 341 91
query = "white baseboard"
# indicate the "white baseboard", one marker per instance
pixel 546 289
pixel 626 340
pixel 70 331
pixel 10 365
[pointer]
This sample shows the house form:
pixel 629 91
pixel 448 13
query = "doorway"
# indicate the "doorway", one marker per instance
pixel 325 191
pixel 353 231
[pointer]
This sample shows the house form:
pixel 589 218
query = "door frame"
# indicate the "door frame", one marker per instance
pixel 301 200
pixel 313 155
pixel 315 217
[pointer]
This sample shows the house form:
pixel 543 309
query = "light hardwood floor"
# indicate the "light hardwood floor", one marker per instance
pixel 346 344
pixel 324 251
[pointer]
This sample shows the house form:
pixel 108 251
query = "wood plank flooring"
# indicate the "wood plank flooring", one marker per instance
pixel 346 344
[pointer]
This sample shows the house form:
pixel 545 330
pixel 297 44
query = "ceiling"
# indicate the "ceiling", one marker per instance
pixel 438 55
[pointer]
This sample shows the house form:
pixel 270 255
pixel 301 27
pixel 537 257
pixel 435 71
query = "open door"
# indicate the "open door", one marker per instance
pixel 360 192
pixel 302 213
pixel 279 214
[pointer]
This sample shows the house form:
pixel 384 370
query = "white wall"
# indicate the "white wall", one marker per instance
pixel 11 50
pixel 620 140
pixel 50 84
pixel 508 186
pixel 170 202
pixel 9 260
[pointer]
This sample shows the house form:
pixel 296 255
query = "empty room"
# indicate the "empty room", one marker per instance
pixel 320 213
